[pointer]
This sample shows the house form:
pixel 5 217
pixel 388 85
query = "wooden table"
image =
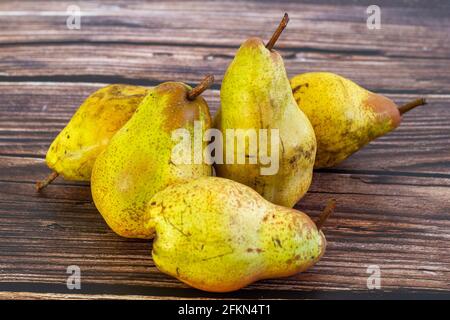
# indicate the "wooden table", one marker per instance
pixel 393 196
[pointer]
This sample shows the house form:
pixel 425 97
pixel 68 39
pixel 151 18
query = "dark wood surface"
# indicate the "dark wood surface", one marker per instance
pixel 393 196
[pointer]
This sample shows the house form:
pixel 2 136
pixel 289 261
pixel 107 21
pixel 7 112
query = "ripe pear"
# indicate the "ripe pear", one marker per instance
pixel 256 95
pixel 100 116
pixel 218 235
pixel 344 115
pixel 138 161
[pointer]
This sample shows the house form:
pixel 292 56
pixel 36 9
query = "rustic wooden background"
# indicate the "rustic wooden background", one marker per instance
pixel 393 196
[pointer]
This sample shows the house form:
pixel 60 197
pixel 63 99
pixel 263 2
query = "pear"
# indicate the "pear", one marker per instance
pixel 256 96
pixel 138 160
pixel 218 235
pixel 344 115
pixel 100 116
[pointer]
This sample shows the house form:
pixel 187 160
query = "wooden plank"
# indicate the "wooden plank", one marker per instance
pixel 31 115
pixel 393 196
pixel 74 296
pixel 380 220
pixel 210 23
pixel 158 63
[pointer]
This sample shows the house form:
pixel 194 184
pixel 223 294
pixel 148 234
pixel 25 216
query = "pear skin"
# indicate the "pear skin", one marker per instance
pixel 218 235
pixel 344 115
pixel 256 95
pixel 137 162
pixel 73 152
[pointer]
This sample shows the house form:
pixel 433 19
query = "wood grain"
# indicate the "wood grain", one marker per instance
pixel 148 63
pixel 32 114
pixel 393 196
pixel 384 222
pixel 215 23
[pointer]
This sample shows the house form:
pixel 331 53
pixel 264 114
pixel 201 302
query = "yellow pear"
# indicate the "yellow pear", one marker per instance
pixel 138 160
pixel 256 98
pixel 218 235
pixel 100 116
pixel 344 115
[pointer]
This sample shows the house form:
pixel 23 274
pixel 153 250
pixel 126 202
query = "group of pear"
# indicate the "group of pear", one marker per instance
pixel 220 233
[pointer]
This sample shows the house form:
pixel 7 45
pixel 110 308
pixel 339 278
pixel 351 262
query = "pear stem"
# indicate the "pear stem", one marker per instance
pixel 43 183
pixel 278 32
pixel 411 105
pixel 329 209
pixel 202 86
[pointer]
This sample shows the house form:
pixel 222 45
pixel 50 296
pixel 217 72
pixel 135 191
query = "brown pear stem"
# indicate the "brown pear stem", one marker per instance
pixel 202 86
pixel 329 209
pixel 411 105
pixel 43 183
pixel 278 32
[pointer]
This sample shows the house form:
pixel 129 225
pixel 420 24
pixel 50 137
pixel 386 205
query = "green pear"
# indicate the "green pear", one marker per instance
pixel 256 96
pixel 344 115
pixel 73 152
pixel 218 235
pixel 138 161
